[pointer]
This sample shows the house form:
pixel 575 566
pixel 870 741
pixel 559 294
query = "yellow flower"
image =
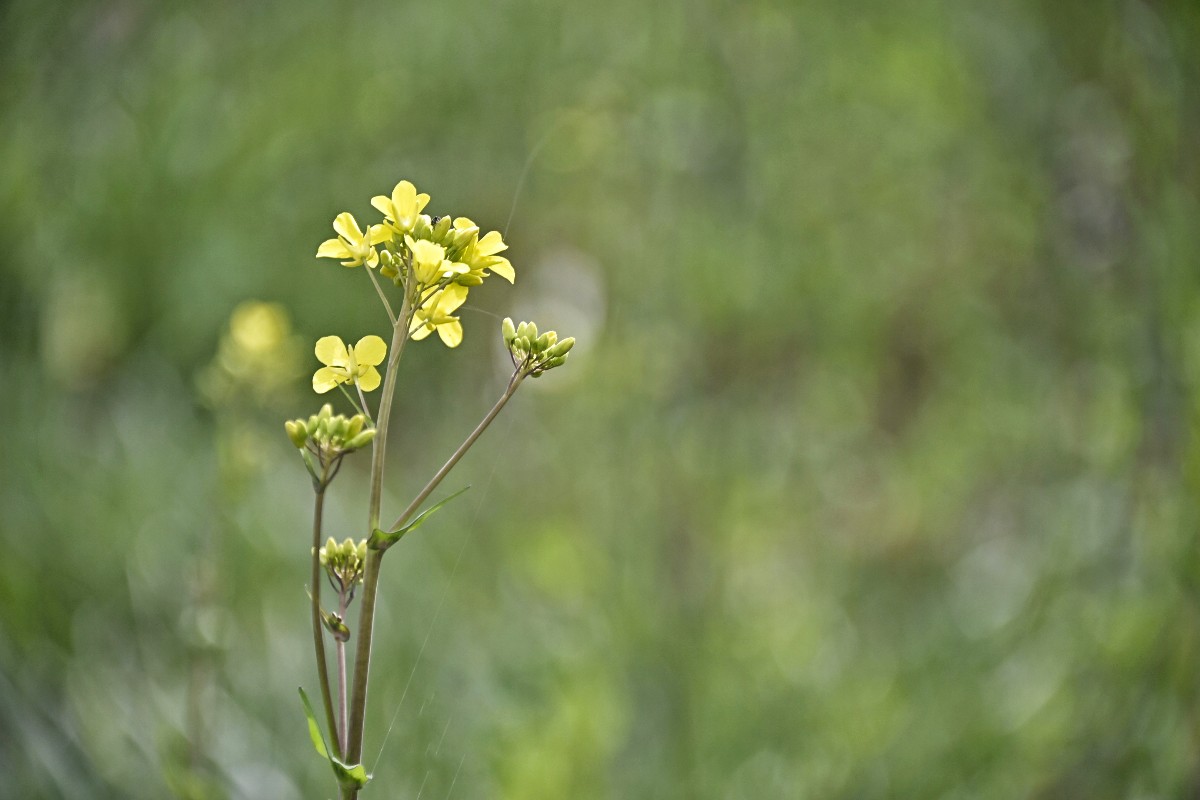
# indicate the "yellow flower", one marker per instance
pixel 348 364
pixel 434 315
pixel 480 253
pixel 352 244
pixel 429 261
pixel 403 207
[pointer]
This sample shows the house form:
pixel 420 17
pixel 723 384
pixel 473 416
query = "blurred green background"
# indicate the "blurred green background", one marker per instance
pixel 874 474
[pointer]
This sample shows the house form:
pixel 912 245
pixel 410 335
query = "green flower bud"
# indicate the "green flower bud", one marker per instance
pixel 326 412
pixel 441 229
pixel 557 361
pixel 356 425
pixel 361 440
pixel 310 427
pixel 523 330
pixel 561 348
pixel 296 433
pixel 544 341
pixel 362 550
pixel 507 330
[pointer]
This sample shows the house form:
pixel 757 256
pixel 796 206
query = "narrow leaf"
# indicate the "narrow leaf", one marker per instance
pixel 314 730
pixel 382 540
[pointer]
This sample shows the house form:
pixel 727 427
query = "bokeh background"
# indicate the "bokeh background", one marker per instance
pixel 874 473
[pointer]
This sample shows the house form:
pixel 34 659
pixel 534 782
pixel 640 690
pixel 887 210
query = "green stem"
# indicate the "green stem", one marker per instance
pixel 382 296
pixel 343 727
pixel 362 650
pixel 318 627
pixel 415 505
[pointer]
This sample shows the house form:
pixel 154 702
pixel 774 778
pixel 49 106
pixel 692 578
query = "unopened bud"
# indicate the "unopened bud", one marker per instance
pixel 355 425
pixel 561 348
pixel 508 331
pixel 361 440
pixel 296 433
pixel 441 228
pixel 310 427
pixel 544 341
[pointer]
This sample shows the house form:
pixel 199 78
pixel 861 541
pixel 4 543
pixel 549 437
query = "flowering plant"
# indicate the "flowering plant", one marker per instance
pixel 432 263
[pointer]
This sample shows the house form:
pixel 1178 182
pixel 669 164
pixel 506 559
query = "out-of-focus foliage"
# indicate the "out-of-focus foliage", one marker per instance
pixel 874 473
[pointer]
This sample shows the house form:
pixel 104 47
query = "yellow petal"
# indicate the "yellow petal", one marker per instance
pixel 451 333
pixel 377 234
pixel 347 227
pixel 333 248
pixel 490 244
pixel 331 351
pixel 370 350
pixel 452 297
pixel 369 380
pixel 325 379
pixel 383 205
pixel 503 268
pixel 418 331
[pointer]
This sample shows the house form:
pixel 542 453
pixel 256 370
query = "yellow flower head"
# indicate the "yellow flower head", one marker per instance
pixel 403 208
pixel 348 364
pixel 429 261
pixel 352 244
pixel 480 253
pixel 434 315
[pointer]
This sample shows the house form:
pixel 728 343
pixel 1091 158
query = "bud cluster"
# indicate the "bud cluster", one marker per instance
pixel 344 562
pixel 330 433
pixel 532 353
pixel 324 438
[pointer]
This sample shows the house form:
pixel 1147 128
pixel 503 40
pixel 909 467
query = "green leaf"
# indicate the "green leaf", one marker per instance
pixel 355 776
pixel 346 774
pixel 382 540
pixel 314 730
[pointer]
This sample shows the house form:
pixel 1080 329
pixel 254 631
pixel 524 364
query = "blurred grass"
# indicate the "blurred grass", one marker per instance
pixel 874 474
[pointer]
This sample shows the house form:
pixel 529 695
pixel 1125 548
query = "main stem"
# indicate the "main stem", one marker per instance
pixel 362 650
pixel 318 632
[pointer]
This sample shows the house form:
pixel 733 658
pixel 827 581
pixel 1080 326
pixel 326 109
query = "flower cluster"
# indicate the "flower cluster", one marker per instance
pixel 532 353
pixel 344 562
pixel 436 259
pixel 324 438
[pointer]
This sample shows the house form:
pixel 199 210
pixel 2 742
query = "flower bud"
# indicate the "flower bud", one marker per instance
pixel 441 228
pixel 355 425
pixel 361 440
pixel 523 330
pixel 544 341
pixel 508 331
pixel 296 432
pixel 561 348
pixel 310 427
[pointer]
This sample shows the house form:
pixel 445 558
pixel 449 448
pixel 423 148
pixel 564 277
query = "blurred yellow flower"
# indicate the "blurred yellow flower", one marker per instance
pixel 434 315
pixel 403 207
pixel 343 364
pixel 352 244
